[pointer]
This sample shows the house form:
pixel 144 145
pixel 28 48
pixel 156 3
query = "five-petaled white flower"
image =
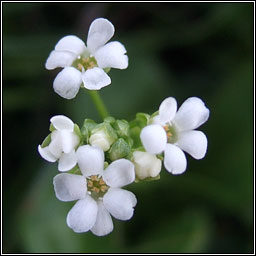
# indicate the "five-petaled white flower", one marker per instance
pixel 98 192
pixel 85 64
pixel 63 143
pixel 173 131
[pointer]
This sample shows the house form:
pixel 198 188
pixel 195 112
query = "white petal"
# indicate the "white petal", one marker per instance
pixel 68 141
pixel 153 138
pixel 120 203
pixel 167 110
pixel 67 161
pixel 59 59
pixel 67 83
pixel 112 55
pixel 194 143
pixel 55 146
pixel 61 122
pixel 90 160
pixel 71 44
pixel 46 154
pixel 69 187
pixel 100 31
pixel 82 216
pixel 174 159
pixel 191 114
pixel 119 173
pixel 156 120
pixel 104 223
pixel 95 79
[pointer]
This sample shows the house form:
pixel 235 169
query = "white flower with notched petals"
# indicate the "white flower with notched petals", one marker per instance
pixel 98 192
pixel 86 64
pixel 62 145
pixel 173 131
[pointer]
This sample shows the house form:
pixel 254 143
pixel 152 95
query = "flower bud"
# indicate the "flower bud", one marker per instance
pixel 122 128
pixel 120 149
pixel 146 164
pixel 103 136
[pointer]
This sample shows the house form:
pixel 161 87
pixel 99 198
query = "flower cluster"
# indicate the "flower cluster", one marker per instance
pixel 97 160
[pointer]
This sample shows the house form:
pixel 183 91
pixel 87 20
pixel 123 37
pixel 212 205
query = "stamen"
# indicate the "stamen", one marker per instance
pixel 80 67
pixel 169 134
pixel 166 128
pixel 94 178
pixel 102 182
pixel 90 183
pixel 94 189
pixel 103 188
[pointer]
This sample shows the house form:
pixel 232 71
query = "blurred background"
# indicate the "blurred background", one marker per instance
pixel 174 49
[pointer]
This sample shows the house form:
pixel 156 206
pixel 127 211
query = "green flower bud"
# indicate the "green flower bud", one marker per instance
pixel 109 120
pixel 142 119
pixel 122 128
pixel 103 135
pixel 146 165
pixel 120 149
pixel 86 129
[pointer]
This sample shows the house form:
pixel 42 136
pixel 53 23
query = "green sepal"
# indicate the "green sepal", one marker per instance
pixel 120 149
pixel 135 136
pixel 52 128
pixel 75 170
pixel 86 129
pixel 77 131
pixel 160 157
pixel 46 141
pixel 106 70
pixel 110 120
pixel 142 119
pixel 129 140
pixel 137 180
pixel 150 121
pixel 105 165
pixel 122 128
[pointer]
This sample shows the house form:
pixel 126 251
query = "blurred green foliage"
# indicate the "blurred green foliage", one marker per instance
pixel 174 49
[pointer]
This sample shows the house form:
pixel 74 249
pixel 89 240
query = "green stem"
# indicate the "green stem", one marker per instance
pixel 99 104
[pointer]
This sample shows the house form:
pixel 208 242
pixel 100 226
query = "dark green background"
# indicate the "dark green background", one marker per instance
pixel 174 49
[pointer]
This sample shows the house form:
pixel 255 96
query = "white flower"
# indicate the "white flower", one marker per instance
pixel 173 132
pixel 98 192
pixel 62 145
pixel 146 164
pixel 85 64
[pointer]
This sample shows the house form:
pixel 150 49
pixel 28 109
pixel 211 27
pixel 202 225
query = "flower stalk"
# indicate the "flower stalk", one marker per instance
pixel 99 104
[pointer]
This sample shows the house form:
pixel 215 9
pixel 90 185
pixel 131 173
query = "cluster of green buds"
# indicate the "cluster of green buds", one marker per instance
pixel 121 139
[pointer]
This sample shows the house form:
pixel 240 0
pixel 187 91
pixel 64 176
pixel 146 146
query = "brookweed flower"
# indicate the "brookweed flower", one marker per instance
pixel 173 131
pixel 85 64
pixel 62 145
pixel 98 192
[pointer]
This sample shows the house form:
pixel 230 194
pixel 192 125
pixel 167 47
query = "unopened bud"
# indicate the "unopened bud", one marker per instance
pixel 120 149
pixel 146 164
pixel 103 136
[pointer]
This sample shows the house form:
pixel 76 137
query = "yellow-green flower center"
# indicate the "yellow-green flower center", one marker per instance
pixel 96 186
pixel 171 133
pixel 84 63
